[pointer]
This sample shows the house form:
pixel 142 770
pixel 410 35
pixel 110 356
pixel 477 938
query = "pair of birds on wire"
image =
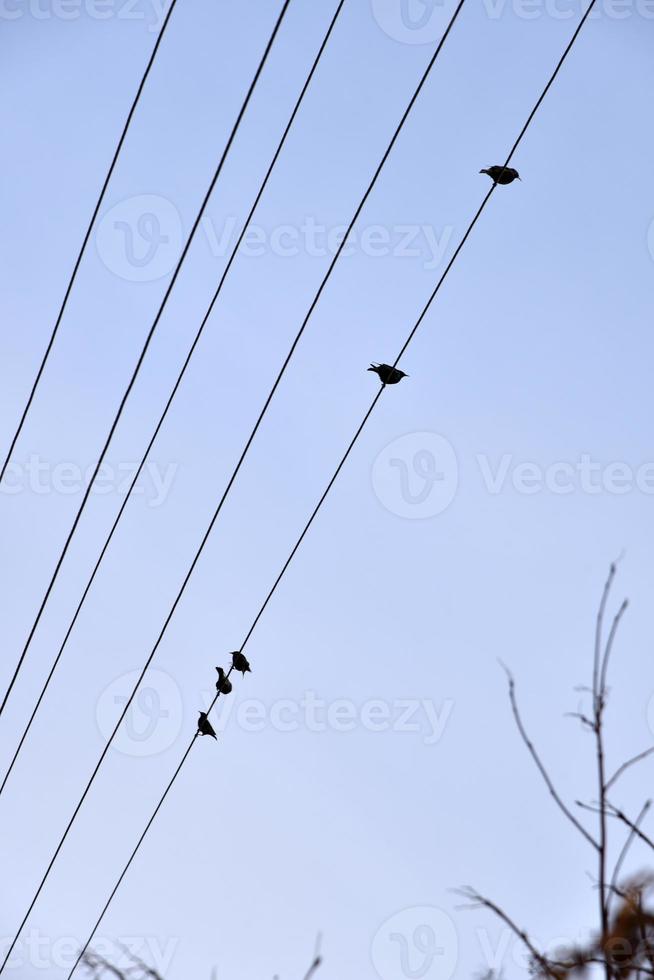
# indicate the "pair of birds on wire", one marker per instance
pixel 241 664
pixel 387 373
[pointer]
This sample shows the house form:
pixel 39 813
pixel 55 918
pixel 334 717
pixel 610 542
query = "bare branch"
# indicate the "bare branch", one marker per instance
pixel 625 765
pixel 591 807
pixel 582 718
pixel 541 768
pixel 143 967
pixel 312 969
pixel 609 647
pixel 317 959
pixel 613 811
pixel 97 965
pixel 623 853
pixel 598 631
pixel 480 901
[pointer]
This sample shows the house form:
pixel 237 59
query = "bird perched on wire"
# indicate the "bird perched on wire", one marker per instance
pixel 387 375
pixel 223 684
pixel 205 727
pixel 240 663
pixel 502 175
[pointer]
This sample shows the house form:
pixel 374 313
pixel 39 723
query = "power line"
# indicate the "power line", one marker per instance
pixel 328 488
pixel 174 390
pixel 229 672
pixel 146 345
pixel 242 457
pixel 85 240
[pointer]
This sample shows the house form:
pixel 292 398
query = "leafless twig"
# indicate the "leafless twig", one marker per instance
pixel 476 900
pixel 614 811
pixel 541 768
pixel 626 765
pixel 633 832
pixel 317 960
pixel 599 629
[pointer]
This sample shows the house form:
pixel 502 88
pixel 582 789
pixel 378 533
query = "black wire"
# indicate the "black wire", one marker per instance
pixel 266 403
pixel 134 853
pixel 172 394
pixel 317 508
pixel 493 187
pixel 139 363
pixel 197 221
pixel 85 240
pixel 225 493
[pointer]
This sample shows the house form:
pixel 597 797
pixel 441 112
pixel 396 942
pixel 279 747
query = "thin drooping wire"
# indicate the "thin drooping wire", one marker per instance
pixel 228 675
pixel 173 393
pixel 207 534
pixel 144 350
pixel 85 240
pixel 493 187
pixel 168 291
pixel 322 499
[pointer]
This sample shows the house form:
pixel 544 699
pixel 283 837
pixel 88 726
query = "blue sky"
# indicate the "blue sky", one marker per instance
pixel 529 392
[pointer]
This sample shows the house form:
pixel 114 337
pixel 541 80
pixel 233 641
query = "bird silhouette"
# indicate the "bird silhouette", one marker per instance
pixel 240 663
pixel 502 175
pixel 205 727
pixel 223 684
pixel 387 375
